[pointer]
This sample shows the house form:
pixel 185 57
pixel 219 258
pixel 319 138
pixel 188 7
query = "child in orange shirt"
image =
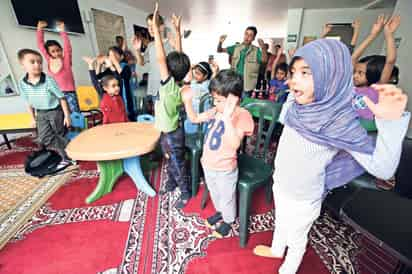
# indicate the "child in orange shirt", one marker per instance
pixel 228 124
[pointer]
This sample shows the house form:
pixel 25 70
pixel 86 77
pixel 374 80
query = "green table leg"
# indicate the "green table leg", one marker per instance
pixel 110 171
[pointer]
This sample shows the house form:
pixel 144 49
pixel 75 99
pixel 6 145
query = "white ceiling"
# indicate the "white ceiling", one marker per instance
pixel 269 5
pixel 222 16
pixel 338 4
pixel 210 18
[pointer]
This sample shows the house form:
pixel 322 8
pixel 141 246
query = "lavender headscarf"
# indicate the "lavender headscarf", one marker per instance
pixel 330 120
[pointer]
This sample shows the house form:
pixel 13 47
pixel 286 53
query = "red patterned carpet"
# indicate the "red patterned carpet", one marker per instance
pixel 127 232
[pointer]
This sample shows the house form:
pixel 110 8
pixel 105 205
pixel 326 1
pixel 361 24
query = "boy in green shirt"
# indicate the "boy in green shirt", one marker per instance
pixel 173 70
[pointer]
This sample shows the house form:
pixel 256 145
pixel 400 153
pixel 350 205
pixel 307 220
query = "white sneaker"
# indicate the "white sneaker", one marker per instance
pixel 63 164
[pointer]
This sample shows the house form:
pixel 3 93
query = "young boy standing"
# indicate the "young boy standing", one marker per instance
pixel 47 104
pixel 228 124
pixel 173 70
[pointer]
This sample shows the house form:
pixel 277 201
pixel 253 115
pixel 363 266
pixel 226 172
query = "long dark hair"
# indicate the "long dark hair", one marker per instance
pixel 50 43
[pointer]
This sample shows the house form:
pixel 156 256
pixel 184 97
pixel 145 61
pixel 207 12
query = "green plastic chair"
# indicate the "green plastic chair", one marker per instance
pixel 254 110
pixel 194 142
pixel 369 125
pixel 254 172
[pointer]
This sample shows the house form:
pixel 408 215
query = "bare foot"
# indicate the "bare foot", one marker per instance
pixel 265 251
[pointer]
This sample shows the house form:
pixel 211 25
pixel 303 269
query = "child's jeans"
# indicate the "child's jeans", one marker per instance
pixel 173 147
pixel 72 102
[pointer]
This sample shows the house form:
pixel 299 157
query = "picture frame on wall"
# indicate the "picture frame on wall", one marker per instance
pixel 8 85
pixel 107 26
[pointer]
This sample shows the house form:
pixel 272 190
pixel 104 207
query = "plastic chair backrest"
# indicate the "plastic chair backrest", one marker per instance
pixel 268 112
pixel 205 103
pixel 282 96
pixel 78 120
pixel 88 98
pixel 145 118
pixel 369 125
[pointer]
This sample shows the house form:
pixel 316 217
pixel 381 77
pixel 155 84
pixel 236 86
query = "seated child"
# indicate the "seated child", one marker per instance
pixel 278 83
pixel 358 104
pixel 361 109
pixel 46 103
pixel 202 73
pixel 374 69
pixel 228 124
pixel 112 105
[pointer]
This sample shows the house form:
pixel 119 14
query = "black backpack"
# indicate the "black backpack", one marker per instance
pixel 42 163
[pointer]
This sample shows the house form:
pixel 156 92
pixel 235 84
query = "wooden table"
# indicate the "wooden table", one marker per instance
pixel 15 123
pixel 116 148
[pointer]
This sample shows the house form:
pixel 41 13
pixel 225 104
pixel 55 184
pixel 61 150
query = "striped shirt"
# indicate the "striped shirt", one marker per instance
pixel 43 95
pixel 300 164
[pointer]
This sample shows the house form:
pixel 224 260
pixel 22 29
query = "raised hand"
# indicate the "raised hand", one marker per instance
pixel 41 25
pixel 230 105
pixel 222 38
pixel 176 21
pixel 378 25
pixel 215 67
pixel 100 59
pixel 356 24
pixel 326 29
pixel 109 61
pixel 156 16
pixel 60 26
pixel 261 43
pixel 291 52
pixel 88 60
pixel 136 43
pixel 280 51
pixel 391 104
pixel 392 25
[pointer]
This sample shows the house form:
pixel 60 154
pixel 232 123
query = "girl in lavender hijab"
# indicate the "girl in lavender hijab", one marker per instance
pixel 323 145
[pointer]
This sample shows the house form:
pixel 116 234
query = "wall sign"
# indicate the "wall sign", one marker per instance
pixel 292 38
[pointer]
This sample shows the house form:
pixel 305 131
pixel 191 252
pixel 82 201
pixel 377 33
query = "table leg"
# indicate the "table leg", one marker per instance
pixel 6 140
pixel 110 171
pixel 132 167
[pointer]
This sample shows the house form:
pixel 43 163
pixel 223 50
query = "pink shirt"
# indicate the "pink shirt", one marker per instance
pixel 64 77
pixel 218 154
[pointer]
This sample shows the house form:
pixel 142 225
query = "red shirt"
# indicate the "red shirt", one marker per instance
pixel 113 109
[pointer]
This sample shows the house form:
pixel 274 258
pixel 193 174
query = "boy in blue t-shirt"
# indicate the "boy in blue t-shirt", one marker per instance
pixel 278 83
